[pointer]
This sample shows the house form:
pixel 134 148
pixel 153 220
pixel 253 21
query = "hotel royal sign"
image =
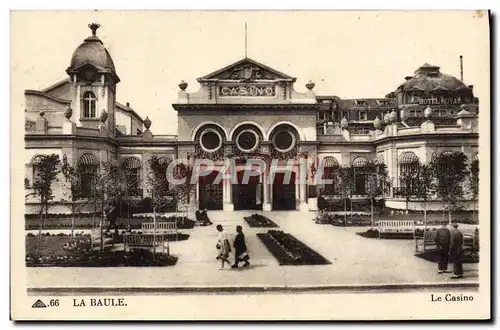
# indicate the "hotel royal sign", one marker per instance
pixel 440 101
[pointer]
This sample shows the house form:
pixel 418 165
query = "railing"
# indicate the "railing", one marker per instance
pixel 395 227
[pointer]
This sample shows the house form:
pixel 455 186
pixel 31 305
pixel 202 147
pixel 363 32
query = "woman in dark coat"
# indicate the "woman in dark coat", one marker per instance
pixel 240 249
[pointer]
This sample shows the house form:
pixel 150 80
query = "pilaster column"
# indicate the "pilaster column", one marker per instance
pixel 303 183
pixel 227 188
pixel 266 202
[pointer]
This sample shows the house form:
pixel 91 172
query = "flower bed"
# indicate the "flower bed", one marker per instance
pixel 290 251
pixel 182 222
pixel 141 258
pixel 353 220
pixel 469 257
pixel 373 233
pixel 121 223
pixel 258 220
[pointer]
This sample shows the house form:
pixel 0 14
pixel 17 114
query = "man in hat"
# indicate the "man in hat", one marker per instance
pixel 456 250
pixel 442 241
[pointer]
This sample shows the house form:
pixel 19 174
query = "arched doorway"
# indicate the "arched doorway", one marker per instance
pixel 210 193
pixel 284 197
pixel 247 195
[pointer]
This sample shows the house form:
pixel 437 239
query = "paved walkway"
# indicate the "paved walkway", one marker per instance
pixel 355 261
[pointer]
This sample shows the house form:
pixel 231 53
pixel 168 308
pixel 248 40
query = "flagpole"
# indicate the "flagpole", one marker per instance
pixel 245 39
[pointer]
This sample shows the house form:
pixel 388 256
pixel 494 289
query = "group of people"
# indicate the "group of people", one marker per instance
pixel 224 248
pixel 449 243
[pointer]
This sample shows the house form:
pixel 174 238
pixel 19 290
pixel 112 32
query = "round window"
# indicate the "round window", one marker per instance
pixel 284 141
pixel 247 140
pixel 210 140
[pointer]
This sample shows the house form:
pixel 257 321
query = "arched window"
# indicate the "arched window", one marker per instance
pixel 408 172
pixel 89 105
pixel 87 164
pixel 408 163
pixel 132 169
pixel 330 169
pixel 359 164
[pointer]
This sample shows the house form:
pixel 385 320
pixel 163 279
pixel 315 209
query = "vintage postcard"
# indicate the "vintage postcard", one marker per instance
pixel 261 165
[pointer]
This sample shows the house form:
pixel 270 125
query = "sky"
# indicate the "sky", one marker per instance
pixel 348 54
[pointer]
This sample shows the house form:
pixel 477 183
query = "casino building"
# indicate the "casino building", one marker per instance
pixel 248 110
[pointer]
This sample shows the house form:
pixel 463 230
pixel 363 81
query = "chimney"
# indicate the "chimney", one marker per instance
pixel 128 104
pixel 461 68
pixel 471 86
pixel 408 77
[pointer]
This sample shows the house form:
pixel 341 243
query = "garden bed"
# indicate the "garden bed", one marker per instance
pixel 64 222
pixel 469 257
pixel 167 237
pixel 373 233
pixel 140 258
pixel 288 250
pixel 340 220
pixel 258 220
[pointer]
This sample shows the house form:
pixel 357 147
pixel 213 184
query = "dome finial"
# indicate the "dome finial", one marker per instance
pixel 94 27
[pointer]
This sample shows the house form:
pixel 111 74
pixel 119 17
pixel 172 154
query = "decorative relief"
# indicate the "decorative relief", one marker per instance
pixel 247 90
pixel 249 72
pixel 29 126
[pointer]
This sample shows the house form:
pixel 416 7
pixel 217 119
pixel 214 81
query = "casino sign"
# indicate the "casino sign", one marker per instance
pixel 267 90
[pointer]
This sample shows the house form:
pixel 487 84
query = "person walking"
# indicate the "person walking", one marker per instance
pixel 442 241
pixel 240 249
pixel 223 246
pixel 456 251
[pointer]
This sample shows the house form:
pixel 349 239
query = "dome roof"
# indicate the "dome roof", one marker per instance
pixel 428 78
pixel 93 52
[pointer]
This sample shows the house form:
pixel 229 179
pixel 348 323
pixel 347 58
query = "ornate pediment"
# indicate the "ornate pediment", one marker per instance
pixel 246 70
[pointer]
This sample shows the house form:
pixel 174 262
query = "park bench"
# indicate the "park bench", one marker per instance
pixel 427 243
pixel 143 241
pixel 395 227
pixel 162 228
pixel 95 238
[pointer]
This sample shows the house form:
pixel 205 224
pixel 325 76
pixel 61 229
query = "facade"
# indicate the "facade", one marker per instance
pixel 242 111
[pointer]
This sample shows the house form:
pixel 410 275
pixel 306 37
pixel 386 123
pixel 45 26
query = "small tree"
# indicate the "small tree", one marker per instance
pixel 407 181
pixel 158 188
pixel 72 196
pixel 376 182
pixel 474 184
pixel 184 190
pixel 47 171
pixel 106 190
pixel 130 189
pixel 450 170
pixel 345 186
pixel 425 187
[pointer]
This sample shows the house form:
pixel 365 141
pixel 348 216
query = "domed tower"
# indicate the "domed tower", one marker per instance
pixel 93 82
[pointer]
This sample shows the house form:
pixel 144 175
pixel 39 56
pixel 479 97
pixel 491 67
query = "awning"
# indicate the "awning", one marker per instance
pixel 408 157
pixel 131 163
pixel 359 162
pixel 87 159
pixel 37 160
pixel 330 162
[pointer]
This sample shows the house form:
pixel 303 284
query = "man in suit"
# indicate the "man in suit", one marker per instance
pixel 442 241
pixel 456 250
